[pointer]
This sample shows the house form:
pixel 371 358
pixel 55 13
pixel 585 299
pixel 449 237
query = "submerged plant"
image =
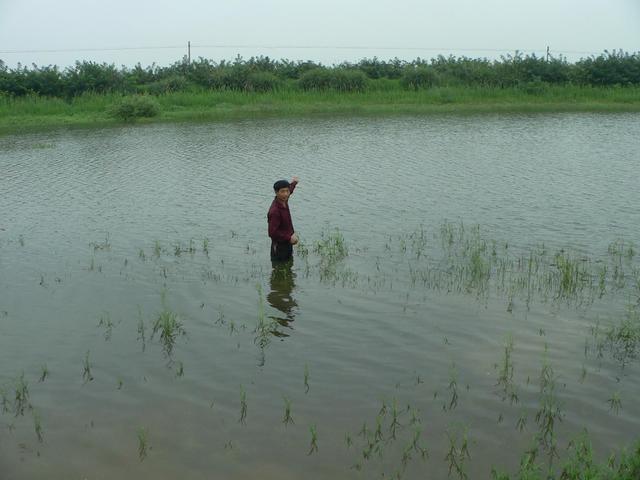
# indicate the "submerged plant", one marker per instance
pixel 21 398
pixel 37 425
pixel 170 327
pixel 615 404
pixel 86 369
pixel 243 406
pixel 44 373
pixel 143 443
pixel 313 447
pixel 306 378
pixel 457 455
pixel 287 419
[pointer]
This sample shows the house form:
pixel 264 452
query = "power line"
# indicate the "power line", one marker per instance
pixel 72 50
pixel 293 47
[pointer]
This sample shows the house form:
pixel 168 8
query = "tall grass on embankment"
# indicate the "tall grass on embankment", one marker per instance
pixel 382 97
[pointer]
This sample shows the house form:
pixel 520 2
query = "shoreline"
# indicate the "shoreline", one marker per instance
pixel 32 113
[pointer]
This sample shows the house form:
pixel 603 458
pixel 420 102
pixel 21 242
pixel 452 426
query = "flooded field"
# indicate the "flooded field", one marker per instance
pixel 466 297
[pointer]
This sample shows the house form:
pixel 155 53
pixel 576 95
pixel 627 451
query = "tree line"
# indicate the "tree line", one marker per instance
pixel 259 74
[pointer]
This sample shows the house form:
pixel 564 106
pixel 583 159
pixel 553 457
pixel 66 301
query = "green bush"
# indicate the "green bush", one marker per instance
pixel 132 107
pixel 175 83
pixel 349 80
pixel 261 82
pixel 340 79
pixel 315 79
pixel 420 77
pixel 535 87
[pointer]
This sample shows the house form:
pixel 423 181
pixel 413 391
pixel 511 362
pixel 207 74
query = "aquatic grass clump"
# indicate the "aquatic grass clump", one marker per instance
pixel 21 397
pixel 170 328
pixel 579 465
pixel 623 339
pixel 332 250
pixel 143 443
pixel 549 412
pixel 468 262
pixel 458 454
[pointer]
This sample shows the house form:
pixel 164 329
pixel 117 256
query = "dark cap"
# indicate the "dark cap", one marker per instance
pixel 281 184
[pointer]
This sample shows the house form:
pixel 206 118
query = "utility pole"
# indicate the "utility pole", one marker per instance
pixel 189 52
pixel 547 53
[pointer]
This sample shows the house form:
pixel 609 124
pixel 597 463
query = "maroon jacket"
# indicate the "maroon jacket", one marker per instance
pixel 279 217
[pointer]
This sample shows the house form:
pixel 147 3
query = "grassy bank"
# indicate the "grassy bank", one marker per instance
pixel 384 97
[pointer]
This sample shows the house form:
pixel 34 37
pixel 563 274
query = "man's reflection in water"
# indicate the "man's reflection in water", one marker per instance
pixel 280 298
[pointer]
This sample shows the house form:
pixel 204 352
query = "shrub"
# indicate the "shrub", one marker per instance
pixel 315 79
pixel 419 77
pixel 338 79
pixel 132 107
pixel 174 83
pixel 261 82
pixel 535 87
pixel 349 80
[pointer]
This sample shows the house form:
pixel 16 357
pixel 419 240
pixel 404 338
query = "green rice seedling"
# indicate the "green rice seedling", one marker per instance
pixel 37 425
pixel 180 369
pixel 505 375
pixel 457 455
pixel 287 419
pixel 619 277
pixel 170 327
pixel 142 255
pixel 142 335
pixel 4 401
pixel 623 339
pixel 416 446
pixel 92 264
pixel 549 412
pixel 86 369
pixel 306 378
pixel 602 280
pixel 21 240
pixel 243 406
pixel 265 326
pixel 364 431
pixel 521 423
pixel 313 447
pixel 44 373
pixel 157 249
pixel 120 383
pixel 453 389
pixel 220 320
pixel 377 434
pixel 205 246
pixel 332 249
pixel 348 440
pixel 21 397
pixel 415 418
pixel 104 245
pixel 177 249
pixel 105 321
pixel 395 421
pixel 302 250
pixel 143 443
pixel 615 404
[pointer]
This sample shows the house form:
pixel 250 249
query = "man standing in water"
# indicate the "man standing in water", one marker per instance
pixel 283 237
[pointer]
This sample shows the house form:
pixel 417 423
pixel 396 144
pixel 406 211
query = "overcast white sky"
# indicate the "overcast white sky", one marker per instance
pixel 286 28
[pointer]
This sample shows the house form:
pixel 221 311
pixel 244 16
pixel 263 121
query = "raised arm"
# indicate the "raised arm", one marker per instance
pixel 292 185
